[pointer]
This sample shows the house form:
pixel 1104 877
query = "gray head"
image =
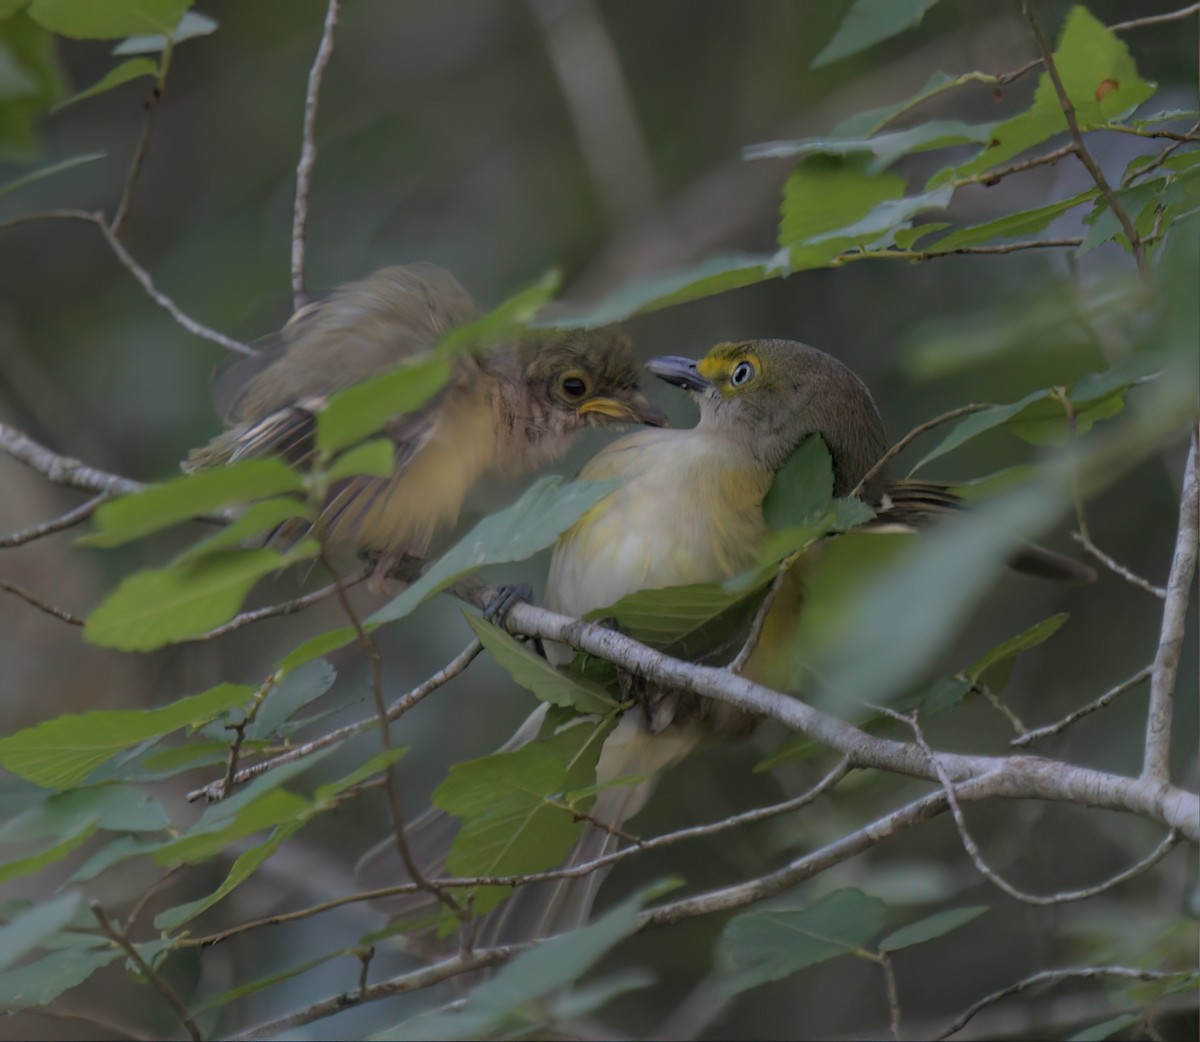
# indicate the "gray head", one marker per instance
pixel 772 394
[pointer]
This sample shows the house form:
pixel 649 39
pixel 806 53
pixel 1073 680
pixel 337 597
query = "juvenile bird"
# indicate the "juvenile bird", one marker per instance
pixel 506 409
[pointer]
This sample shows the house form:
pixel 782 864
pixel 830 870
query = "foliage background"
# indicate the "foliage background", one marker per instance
pixel 444 136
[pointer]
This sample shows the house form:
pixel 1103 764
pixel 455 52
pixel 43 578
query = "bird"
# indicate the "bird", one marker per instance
pixel 759 400
pixel 689 509
pixel 507 409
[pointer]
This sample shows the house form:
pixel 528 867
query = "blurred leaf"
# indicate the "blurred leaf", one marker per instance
pixel 869 22
pixel 1010 226
pixel 258 984
pixel 927 929
pixel 994 667
pixel 268 810
pixel 362 409
pixel 583 1001
pixel 511 998
pixel 864 124
pixel 31 80
pixel 107 19
pixel 941 695
pixel 155 607
pixel 710 276
pixel 187 497
pixel 508 824
pixel 30 929
pixel 535 674
pixel 1105 225
pixel 321 644
pixel 191 25
pixel 546 510
pixel 40 983
pixel 62 752
pixel 8 8
pixel 507 319
pixel 1107 1028
pixel 296 690
pixel 1099 77
pixel 768 944
pixel 886 148
pixel 123 73
pixel 47 171
pixel 255 520
pixel 14 868
pixel 376 458
pixel 915 603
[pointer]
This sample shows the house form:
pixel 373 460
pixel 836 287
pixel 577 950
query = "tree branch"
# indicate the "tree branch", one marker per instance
pixel 1037 733
pixel 62 470
pixel 308 151
pixel 1157 762
pixel 59 613
pixel 911 436
pixel 70 519
pixel 1085 157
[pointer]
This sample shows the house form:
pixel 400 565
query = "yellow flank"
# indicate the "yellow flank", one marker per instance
pixel 689 511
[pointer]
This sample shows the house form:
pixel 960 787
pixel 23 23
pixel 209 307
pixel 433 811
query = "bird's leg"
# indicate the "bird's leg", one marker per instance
pixel 506 597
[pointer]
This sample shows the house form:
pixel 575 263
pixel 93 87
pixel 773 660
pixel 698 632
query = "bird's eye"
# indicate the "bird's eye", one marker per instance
pixel 742 374
pixel 574 386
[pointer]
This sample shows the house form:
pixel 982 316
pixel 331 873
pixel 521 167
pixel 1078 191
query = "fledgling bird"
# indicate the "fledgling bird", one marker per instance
pixel 506 409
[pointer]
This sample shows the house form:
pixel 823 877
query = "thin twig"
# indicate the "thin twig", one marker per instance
pixel 884 961
pixel 139 154
pixel 573 872
pixel 308 151
pixel 417 980
pixel 1162 157
pixel 1155 19
pixel 58 524
pixel 391 789
pixel 1085 540
pixel 991 177
pixel 1085 157
pixel 138 272
pixel 911 436
pixel 1057 728
pixel 1165 135
pixel 1051 977
pixel 119 938
pixel 149 892
pixel 756 625
pixel 62 470
pixel 1157 762
pixel 283 608
pixel 398 708
pixel 50 609
pixel 1153 858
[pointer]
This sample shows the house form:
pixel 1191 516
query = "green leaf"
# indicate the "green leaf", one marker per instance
pixel 362 410
pixel 117 808
pixel 296 690
pixel 133 69
pixel 24 866
pixel 1107 1028
pixel 885 148
pixel 1010 226
pixel 825 194
pixel 107 19
pixel 509 825
pixel 546 510
pixel 803 487
pixel 321 644
pixel 864 124
pixel 184 498
pixel 30 929
pixel 869 22
pixel 62 752
pixel 49 171
pixel 258 984
pixel 40 983
pixel 257 519
pixel 164 606
pixel 769 944
pixel 191 25
pixel 31 80
pixel 509 317
pixel 1099 77
pixel 535 674
pixel 929 928
pixel 1105 225
pixel 974 425
pixel 377 458
pixel 515 996
pixel 994 667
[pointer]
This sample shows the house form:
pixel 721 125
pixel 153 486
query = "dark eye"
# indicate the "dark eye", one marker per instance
pixel 574 387
pixel 743 373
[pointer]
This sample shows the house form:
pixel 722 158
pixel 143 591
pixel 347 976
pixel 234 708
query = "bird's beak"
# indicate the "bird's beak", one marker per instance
pixel 681 372
pixel 635 409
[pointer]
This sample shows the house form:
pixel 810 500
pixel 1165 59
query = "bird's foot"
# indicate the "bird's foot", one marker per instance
pixel 506 597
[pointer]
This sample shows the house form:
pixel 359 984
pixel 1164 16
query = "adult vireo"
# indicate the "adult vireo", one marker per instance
pixel 507 408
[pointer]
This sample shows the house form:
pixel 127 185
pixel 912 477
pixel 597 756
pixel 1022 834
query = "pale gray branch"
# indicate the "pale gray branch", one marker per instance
pixel 77 515
pixel 1157 765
